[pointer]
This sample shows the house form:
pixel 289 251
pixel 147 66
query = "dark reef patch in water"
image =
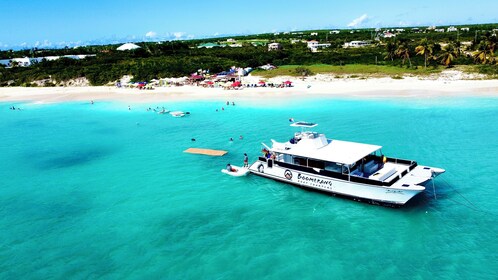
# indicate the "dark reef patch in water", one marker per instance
pixel 64 159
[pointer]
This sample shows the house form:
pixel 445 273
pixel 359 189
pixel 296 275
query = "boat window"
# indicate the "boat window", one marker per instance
pixel 316 163
pixel 332 166
pixel 287 158
pixel 345 169
pixel 300 161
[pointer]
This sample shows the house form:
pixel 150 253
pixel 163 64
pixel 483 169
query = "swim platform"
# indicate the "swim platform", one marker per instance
pixel 208 152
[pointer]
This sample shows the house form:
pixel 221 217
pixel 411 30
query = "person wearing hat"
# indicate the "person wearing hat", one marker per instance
pixel 246 160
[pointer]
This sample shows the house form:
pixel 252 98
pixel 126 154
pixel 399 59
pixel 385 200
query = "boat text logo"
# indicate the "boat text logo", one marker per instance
pixel 313 181
pixel 288 174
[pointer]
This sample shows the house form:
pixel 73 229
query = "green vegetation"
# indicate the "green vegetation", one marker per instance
pixel 413 52
pixel 340 71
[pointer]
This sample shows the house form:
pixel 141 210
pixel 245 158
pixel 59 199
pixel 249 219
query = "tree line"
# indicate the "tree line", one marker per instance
pixel 180 58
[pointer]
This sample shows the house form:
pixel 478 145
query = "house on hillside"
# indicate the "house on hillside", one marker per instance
pixel 274 47
pixel 334 32
pixel 388 34
pixel 452 29
pixel 314 45
pixel 356 44
pixel 464 29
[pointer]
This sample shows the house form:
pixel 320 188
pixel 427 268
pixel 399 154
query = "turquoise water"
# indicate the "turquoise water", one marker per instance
pixel 98 191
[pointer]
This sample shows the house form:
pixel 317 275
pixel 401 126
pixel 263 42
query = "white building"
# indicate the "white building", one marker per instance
pixel 334 32
pixel 127 47
pixel 466 29
pixel 314 45
pixel 356 44
pixel 28 61
pixel 274 47
pixel 440 30
pixel 452 29
pixel 314 34
pixel 388 34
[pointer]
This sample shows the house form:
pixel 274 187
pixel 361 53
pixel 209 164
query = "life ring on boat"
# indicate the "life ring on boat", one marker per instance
pixel 261 168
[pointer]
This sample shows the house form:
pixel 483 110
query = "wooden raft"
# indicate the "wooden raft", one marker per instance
pixel 208 152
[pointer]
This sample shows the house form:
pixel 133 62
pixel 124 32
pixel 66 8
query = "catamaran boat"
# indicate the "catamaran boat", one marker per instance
pixel 355 170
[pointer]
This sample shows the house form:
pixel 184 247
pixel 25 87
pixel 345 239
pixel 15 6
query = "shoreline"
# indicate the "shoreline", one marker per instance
pixel 315 86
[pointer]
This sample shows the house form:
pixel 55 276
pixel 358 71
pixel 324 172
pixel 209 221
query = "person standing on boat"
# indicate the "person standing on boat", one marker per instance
pixel 246 160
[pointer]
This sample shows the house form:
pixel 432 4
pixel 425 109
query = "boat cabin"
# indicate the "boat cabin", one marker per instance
pixel 312 152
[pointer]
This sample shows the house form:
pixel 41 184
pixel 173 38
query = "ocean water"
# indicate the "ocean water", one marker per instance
pixel 100 191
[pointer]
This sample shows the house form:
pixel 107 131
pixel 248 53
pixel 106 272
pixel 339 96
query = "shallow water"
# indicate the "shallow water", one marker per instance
pixel 91 191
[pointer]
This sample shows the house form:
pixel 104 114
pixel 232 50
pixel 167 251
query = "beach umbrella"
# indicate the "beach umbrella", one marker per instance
pixel 236 84
pixel 287 82
pixel 262 82
pixel 210 82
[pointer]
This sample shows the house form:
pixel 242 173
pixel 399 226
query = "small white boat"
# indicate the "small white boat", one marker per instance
pixel 177 114
pixel 236 171
pixel 164 111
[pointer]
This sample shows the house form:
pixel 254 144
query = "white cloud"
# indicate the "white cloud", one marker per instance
pixel 44 44
pixel 358 21
pixel 216 34
pixel 178 35
pixel 151 34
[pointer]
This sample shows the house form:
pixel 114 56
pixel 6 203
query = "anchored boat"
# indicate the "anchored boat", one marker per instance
pixel 351 169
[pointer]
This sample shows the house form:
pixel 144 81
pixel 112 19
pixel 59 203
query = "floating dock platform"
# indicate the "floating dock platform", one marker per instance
pixel 208 152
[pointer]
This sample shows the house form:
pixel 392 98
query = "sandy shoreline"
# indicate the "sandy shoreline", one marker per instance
pixel 316 86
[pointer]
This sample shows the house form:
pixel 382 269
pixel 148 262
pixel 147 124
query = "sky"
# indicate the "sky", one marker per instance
pixel 56 23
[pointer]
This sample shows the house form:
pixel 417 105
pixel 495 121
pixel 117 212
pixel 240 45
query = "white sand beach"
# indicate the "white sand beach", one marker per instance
pixel 318 85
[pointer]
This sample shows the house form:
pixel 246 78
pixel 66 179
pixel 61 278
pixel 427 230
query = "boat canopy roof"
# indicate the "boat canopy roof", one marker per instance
pixel 342 152
pixel 304 124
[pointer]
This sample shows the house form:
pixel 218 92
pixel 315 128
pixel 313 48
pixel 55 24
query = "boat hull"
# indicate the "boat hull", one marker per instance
pixel 383 195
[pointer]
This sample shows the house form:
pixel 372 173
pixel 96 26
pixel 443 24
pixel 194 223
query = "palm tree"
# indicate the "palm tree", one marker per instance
pixel 403 51
pixel 426 49
pixel 450 53
pixel 486 50
pixel 391 47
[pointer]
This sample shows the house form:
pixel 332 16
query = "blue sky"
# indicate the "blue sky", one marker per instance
pixel 52 23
